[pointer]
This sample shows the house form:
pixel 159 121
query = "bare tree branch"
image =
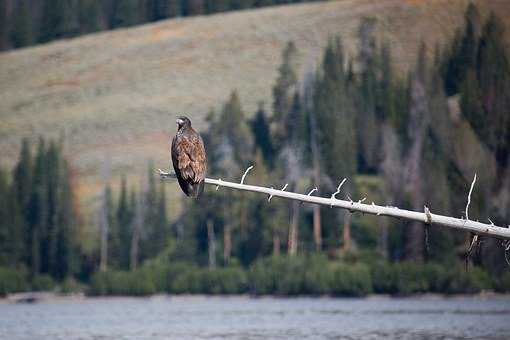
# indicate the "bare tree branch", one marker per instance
pixel 447 221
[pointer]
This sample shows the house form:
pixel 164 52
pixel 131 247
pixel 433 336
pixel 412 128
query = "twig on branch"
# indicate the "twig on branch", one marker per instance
pixel 469 196
pixel 309 194
pixel 245 173
pixel 451 222
pixel 507 251
pixel 312 191
pixel 474 239
pixel 282 189
pixel 428 214
pixel 333 196
pixel 473 244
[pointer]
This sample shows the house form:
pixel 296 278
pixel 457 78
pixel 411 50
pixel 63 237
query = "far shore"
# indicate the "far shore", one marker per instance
pixel 38 297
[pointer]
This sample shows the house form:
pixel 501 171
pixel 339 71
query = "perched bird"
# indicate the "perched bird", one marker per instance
pixel 188 158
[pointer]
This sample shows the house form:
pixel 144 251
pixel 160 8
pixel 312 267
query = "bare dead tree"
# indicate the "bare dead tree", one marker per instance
pixel 103 222
pixel 211 241
pixel 464 224
pixel 103 217
pixel 314 147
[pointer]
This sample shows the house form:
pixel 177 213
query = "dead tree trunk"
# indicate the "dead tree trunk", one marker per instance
pixel 317 233
pixel 103 260
pixel 137 228
pixel 346 233
pixel 276 244
pixel 293 230
pixel 211 239
pixel 227 242
pixel 383 238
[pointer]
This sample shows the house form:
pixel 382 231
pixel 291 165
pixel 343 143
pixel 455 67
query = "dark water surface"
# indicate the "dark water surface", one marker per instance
pixel 200 317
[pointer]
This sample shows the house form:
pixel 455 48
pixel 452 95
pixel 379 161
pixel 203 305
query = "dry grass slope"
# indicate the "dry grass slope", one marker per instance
pixel 115 94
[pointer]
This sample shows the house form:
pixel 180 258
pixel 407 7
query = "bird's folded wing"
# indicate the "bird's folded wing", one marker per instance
pixel 191 159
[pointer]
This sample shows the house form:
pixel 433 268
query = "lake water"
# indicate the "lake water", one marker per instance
pixel 240 317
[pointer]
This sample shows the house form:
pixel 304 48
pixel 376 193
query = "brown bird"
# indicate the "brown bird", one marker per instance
pixel 188 158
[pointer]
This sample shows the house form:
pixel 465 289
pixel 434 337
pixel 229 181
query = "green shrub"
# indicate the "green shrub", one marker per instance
pixel 384 280
pixel 188 281
pixel 42 283
pixel 503 282
pixel 290 276
pixel 176 278
pixel 12 281
pixel 263 275
pixel 318 275
pixel 70 285
pixel 284 275
pixel 438 277
pixel 141 282
pixel 468 282
pixel 351 280
pixel 410 278
pixel 230 280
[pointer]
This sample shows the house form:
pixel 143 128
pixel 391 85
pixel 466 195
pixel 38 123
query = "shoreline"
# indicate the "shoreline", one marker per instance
pixel 38 297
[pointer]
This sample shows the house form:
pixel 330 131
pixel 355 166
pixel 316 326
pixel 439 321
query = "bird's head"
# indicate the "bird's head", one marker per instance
pixel 183 122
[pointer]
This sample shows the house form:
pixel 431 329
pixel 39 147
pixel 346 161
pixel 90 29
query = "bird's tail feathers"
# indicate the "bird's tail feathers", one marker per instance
pixel 197 189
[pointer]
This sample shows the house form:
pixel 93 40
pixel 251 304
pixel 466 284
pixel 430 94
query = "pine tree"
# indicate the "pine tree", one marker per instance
pixel 37 213
pixel 124 222
pixel 368 136
pixel 89 15
pixel 11 225
pixel 262 135
pixel 335 126
pixel 53 21
pixel 125 13
pixel 283 89
pixel 192 7
pixel 5 253
pixel 22 175
pixel 233 123
pixel 21 29
pixel 214 6
pixel 4 27
pixel 494 79
pixel 66 249
pixel 114 244
pixel 50 228
pixel 162 9
pixel 155 220
pixel 105 228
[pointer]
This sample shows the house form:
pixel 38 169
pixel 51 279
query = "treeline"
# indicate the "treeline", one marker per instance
pixel 28 22
pixel 41 226
pixel 133 227
pixel 38 214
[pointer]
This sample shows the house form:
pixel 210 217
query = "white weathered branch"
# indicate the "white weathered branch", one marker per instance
pixel 246 173
pixel 425 217
pixel 469 197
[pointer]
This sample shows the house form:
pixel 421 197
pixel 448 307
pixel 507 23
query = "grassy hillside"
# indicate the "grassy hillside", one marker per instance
pixel 115 95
